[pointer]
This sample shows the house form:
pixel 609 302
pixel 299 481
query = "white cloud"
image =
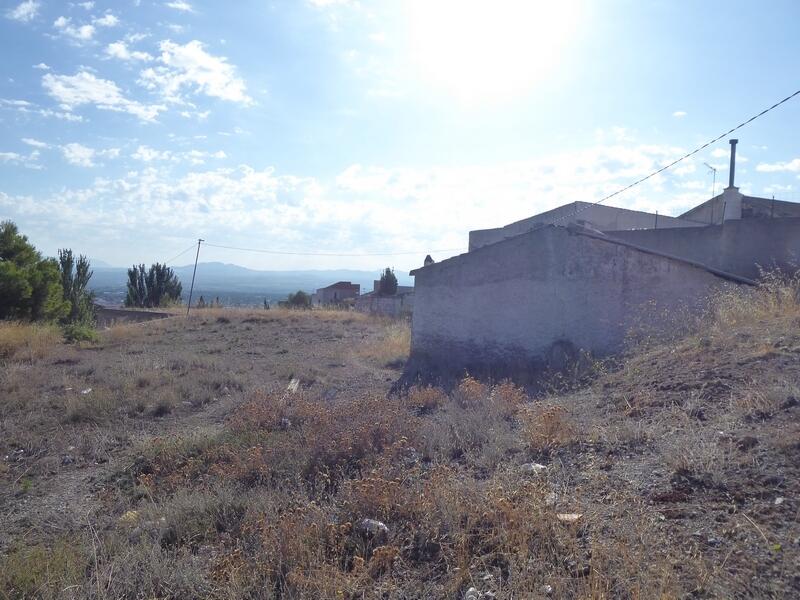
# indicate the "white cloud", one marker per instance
pixel 194 157
pixel 792 166
pixel 78 155
pixel 679 114
pixel 15 103
pixel 80 33
pixel 35 143
pixel 82 88
pixel 83 156
pixel 41 66
pixel 180 5
pixel 10 157
pixel 107 20
pixel 147 154
pixel 120 50
pixel 24 11
pixel 86 5
pixel 190 66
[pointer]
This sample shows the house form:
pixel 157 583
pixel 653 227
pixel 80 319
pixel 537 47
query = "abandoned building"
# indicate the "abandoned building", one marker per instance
pixel 336 293
pixel 577 278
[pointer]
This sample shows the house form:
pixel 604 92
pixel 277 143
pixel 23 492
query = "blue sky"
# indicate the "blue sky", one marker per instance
pixel 131 128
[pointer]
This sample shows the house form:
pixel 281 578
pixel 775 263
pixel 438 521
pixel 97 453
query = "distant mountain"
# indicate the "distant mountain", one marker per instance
pixel 238 286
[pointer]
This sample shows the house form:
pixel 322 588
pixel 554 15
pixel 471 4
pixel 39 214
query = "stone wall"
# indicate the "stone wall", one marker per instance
pixel 388 306
pixel 515 306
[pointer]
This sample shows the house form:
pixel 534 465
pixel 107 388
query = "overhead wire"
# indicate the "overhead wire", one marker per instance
pixel 167 262
pixel 675 162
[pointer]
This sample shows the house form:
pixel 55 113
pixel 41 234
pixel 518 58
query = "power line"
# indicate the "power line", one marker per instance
pixel 684 157
pixel 179 255
pixel 286 253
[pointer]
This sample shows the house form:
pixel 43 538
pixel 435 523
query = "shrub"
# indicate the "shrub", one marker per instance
pixel 80 332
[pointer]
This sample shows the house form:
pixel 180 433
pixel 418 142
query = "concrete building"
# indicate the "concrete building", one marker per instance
pixel 536 292
pixel 336 293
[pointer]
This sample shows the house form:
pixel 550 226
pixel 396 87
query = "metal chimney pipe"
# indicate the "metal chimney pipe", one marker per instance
pixel 733 162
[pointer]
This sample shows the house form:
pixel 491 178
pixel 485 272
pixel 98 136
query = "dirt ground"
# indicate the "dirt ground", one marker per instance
pixel 171 460
pixel 71 420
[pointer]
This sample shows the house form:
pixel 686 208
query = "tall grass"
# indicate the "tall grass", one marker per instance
pixel 393 348
pixel 27 341
pixel 776 296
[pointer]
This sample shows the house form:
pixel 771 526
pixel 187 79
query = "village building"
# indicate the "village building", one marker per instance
pixel 536 293
pixel 336 293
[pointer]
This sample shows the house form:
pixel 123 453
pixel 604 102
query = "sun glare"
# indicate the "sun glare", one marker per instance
pixel 488 50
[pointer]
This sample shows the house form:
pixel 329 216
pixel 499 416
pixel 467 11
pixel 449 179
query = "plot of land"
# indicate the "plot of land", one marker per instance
pixel 169 460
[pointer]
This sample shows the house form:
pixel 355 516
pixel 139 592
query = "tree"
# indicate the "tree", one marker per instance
pixel 30 285
pixel 75 276
pixel 388 283
pixel 158 286
pixel 201 303
pixel 299 300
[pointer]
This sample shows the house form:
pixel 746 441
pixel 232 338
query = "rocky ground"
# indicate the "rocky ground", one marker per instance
pixel 190 470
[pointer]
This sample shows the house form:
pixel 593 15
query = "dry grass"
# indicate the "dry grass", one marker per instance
pixel 393 349
pixel 27 341
pixel 776 296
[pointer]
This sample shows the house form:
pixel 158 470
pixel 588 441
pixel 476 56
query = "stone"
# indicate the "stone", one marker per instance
pixel 569 517
pixel 472 594
pixel 67 459
pixel 373 530
pixel 779 501
pixel 533 468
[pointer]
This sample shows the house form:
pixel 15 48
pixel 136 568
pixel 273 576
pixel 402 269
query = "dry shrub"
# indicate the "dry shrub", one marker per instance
pixel 27 341
pixel 548 426
pixel 469 393
pixel 425 399
pixel 476 422
pixel 393 348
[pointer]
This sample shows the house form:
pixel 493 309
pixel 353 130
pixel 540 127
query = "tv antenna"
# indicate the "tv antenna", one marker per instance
pixel 714 182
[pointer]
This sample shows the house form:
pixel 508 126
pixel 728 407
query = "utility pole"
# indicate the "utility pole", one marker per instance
pixel 191 289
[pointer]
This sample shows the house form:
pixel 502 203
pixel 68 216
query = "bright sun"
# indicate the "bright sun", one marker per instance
pixel 482 50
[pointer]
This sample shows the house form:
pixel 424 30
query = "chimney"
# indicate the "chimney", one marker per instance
pixel 733 163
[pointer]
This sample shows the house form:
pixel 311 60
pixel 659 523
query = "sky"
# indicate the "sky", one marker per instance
pixel 370 134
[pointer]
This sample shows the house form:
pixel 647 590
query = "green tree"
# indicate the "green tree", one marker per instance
pixel 30 285
pixel 158 286
pixel 299 300
pixel 388 283
pixel 75 276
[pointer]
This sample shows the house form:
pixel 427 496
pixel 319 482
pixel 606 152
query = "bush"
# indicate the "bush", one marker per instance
pixel 79 332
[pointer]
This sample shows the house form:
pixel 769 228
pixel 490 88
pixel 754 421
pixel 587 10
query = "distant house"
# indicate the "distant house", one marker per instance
pixel 336 293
